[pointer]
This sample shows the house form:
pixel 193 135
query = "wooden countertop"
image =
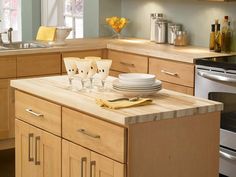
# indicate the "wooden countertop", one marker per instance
pixel 166 104
pixel 137 46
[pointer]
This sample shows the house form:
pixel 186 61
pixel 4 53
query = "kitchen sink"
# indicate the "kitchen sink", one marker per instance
pixel 22 45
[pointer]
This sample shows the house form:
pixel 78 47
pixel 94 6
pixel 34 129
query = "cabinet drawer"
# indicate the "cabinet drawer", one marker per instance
pixel 97 135
pixel 173 72
pixel 178 88
pixel 114 73
pixel 127 63
pixel 38 112
pixel 36 65
pixel 80 54
pixel 7 67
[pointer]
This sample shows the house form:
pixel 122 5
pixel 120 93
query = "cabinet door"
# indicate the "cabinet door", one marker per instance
pixel 75 160
pixel 47 154
pixel 38 153
pixel 6 110
pixel 101 166
pixel 24 143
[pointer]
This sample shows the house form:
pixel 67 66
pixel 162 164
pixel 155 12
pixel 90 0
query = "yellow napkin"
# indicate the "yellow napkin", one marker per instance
pixel 46 33
pixel 123 103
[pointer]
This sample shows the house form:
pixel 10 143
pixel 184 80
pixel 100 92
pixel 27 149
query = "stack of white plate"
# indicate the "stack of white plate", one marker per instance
pixel 135 84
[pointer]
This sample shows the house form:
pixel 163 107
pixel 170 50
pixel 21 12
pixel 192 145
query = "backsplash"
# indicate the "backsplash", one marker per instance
pixel 196 16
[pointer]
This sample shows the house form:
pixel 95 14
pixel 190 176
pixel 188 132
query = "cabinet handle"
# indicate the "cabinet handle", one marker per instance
pixel 83 160
pixel 92 166
pixel 169 73
pixel 83 131
pixel 34 113
pixel 31 136
pixel 127 64
pixel 37 141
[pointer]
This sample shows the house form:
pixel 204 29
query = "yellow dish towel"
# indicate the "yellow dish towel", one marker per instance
pixel 123 103
pixel 46 33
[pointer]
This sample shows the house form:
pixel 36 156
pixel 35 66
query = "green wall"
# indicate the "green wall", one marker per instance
pixel 195 15
pixel 31 18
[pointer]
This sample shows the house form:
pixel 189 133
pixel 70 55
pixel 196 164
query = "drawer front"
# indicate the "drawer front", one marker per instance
pixel 114 73
pixel 80 54
pixel 38 112
pixel 125 62
pixel 7 67
pixel 178 88
pixel 173 72
pixel 36 65
pixel 97 135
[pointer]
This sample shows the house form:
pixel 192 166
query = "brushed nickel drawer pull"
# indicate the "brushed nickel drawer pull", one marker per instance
pixel 83 131
pixel 92 166
pixel 83 160
pixel 127 64
pixel 169 73
pixel 34 113
pixel 31 136
pixel 37 142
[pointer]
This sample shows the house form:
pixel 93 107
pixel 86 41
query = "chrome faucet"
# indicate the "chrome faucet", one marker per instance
pixel 9 34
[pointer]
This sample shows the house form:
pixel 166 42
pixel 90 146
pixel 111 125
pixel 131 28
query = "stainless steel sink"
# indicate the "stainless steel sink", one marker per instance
pixel 22 45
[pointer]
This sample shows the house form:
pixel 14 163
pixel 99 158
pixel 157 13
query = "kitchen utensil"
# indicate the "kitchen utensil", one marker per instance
pixel 128 99
pixel 172 29
pixel 181 38
pixel 161 30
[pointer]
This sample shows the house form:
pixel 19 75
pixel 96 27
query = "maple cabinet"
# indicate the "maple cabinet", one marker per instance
pixel 38 153
pixel 6 109
pixel 80 162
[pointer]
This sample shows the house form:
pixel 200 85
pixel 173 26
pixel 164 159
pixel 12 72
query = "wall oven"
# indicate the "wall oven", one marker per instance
pixel 215 79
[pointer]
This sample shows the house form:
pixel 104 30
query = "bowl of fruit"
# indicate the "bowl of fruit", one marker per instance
pixel 117 24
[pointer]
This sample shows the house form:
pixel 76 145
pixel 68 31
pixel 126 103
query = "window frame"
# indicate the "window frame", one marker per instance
pixel 17 33
pixel 74 17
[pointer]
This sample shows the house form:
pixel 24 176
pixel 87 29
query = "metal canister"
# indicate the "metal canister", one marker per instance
pixel 161 30
pixel 172 29
pixel 153 18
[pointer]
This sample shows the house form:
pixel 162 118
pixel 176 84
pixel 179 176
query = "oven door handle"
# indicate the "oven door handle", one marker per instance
pixel 216 77
pixel 227 155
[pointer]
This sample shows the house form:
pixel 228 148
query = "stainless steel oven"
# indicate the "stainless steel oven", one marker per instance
pixel 215 79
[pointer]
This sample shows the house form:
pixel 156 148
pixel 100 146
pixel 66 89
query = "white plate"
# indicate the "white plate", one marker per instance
pixel 138 90
pixel 119 84
pixel 133 94
pixel 137 77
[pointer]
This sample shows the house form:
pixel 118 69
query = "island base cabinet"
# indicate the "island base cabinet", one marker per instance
pixel 38 153
pixel 80 162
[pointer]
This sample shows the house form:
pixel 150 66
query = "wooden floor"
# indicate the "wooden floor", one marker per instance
pixel 7 163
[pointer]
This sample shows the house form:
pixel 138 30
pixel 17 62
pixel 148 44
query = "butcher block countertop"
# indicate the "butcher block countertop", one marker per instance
pixel 166 104
pixel 137 46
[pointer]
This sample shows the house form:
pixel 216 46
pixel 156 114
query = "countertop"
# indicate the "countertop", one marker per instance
pixel 166 104
pixel 186 54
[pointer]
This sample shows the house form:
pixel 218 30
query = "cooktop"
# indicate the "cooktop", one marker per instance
pixel 226 62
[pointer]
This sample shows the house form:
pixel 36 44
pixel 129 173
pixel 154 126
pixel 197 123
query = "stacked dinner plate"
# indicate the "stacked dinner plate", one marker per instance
pixel 135 84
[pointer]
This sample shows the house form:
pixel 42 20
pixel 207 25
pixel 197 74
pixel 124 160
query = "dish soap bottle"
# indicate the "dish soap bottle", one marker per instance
pixel 212 38
pixel 218 39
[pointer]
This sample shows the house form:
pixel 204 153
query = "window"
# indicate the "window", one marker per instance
pixel 73 17
pixel 10 14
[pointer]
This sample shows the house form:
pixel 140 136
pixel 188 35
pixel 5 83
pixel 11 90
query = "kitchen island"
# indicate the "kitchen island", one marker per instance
pixel 65 133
